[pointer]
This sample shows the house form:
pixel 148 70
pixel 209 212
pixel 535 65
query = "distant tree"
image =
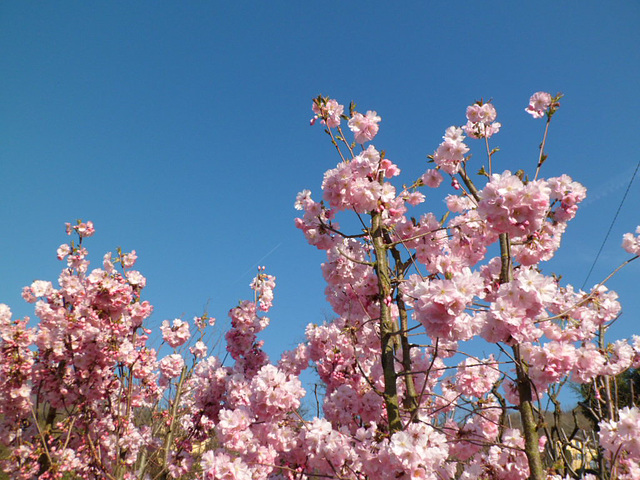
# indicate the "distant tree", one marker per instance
pixel 609 394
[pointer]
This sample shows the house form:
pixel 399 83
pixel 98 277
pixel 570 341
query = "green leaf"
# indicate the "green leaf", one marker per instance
pixel 482 171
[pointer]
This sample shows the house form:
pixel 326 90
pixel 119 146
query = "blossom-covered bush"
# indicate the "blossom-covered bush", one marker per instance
pixel 82 395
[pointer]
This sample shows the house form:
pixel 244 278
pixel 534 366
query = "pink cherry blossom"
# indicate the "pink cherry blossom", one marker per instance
pixel 364 127
pixel 538 104
pixel 432 178
pixel 129 259
pixel 481 122
pixel 63 251
pixel 451 152
pixel 171 365
pixel 176 333
pixel 476 377
pixel 199 350
pixel 631 243
pixel 330 111
pixel 510 206
pixel 401 399
pixel 621 442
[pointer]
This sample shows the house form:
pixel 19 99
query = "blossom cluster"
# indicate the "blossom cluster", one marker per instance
pixel 481 120
pixel 620 440
pixel 401 399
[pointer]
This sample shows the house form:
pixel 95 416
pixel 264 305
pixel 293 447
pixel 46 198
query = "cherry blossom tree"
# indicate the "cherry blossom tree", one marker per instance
pixel 82 395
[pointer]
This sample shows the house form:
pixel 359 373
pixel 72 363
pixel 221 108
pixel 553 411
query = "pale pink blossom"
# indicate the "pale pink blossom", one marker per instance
pixel 432 178
pixel 414 198
pixel 63 251
pixel 41 288
pixel 481 122
pixel 510 206
pixel 364 127
pixel 477 377
pixel 28 296
pixel 451 152
pixel 199 350
pixel 621 358
pixel 129 259
pixel 136 279
pixel 175 334
pixel 550 363
pixel 539 104
pixel 171 365
pixel 390 168
pixel 485 113
pixel 631 242
pixel 107 263
pixel 330 112
pixel 85 229
pixel 458 204
pixel 589 364
pixel 303 198
pixel 621 441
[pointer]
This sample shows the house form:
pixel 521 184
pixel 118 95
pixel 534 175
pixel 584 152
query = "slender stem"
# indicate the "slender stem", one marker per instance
pixel 542 158
pixel 345 141
pixel 486 142
pixel 335 143
pixel 174 411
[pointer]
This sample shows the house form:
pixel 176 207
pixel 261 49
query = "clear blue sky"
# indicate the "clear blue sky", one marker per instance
pixel 182 130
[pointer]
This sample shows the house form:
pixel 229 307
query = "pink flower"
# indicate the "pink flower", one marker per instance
pixel 136 279
pixel 432 178
pixel 40 288
pixel 330 112
pixel 622 436
pixel 414 198
pixel 171 366
pixel 176 334
pixel 548 364
pixel 510 206
pixel 481 121
pixel 107 263
pixel 631 243
pixel 85 229
pixel 539 104
pixel 482 130
pixel 63 251
pixel 303 199
pixel 451 152
pixel 589 363
pixel 364 128
pixel 390 168
pixel 129 259
pixel 477 377
pixel 28 296
pixel 199 350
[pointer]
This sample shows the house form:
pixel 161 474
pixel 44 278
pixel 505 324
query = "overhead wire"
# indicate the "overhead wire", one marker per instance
pixel 613 221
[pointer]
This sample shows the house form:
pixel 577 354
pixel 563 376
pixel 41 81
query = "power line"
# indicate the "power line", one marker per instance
pixel 595 260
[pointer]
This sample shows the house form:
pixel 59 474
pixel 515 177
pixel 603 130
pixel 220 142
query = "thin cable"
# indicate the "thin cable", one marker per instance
pixel 611 226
